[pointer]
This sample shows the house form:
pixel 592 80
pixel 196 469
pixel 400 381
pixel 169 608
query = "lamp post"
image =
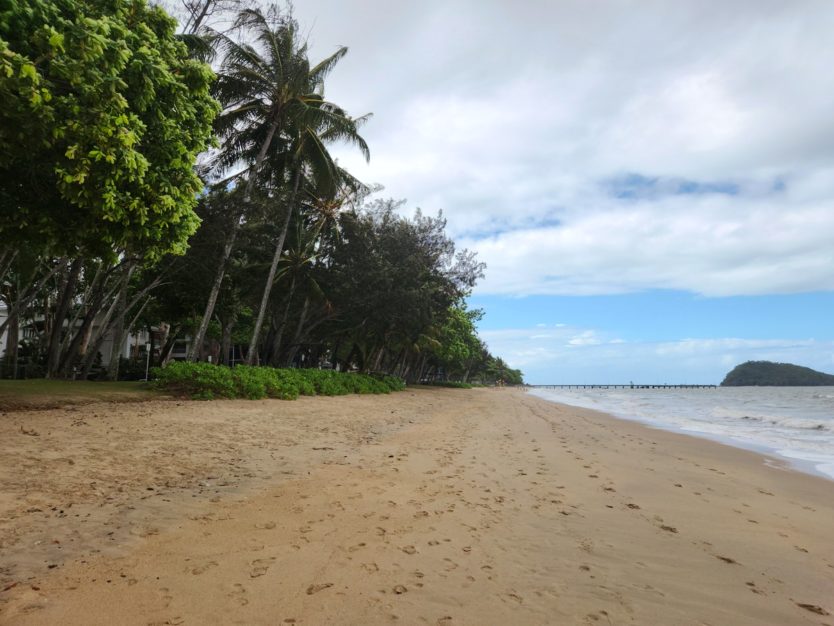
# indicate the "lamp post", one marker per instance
pixel 147 360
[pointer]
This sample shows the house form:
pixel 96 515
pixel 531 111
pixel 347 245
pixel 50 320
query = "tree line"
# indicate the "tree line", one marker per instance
pixel 180 179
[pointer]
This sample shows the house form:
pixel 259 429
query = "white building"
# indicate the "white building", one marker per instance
pixel 133 345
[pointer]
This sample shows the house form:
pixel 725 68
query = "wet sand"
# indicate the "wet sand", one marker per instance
pixel 423 507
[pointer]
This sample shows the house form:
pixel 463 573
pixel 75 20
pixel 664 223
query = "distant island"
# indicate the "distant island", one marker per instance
pixel 769 374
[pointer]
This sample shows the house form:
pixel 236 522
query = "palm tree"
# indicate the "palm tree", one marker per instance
pixel 297 264
pixel 313 123
pixel 271 98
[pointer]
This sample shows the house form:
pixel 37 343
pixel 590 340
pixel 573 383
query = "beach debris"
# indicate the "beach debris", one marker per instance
pixel 318 587
pixel 813 608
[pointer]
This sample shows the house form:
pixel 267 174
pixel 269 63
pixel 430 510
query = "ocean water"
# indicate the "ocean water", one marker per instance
pixel 794 423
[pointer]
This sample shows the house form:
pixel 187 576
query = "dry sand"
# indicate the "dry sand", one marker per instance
pixel 425 507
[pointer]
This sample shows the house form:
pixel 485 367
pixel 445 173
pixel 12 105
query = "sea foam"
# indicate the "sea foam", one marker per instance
pixel 794 423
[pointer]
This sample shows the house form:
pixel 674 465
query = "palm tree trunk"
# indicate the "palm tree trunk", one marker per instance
pixel 422 370
pixel 296 341
pixel 226 340
pixel 279 248
pixel 378 362
pixel 197 343
pixel 279 333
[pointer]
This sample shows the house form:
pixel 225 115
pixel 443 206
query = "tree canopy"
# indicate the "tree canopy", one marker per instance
pixel 105 111
pixel 102 116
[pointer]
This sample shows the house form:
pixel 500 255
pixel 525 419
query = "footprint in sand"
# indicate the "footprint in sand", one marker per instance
pixel 202 569
pixel 166 597
pixel 315 588
pixel 260 567
pixel 752 586
pixel 238 594
pixel 813 608
pixel 726 559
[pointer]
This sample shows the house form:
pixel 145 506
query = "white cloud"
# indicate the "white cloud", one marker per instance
pixel 515 118
pixel 713 244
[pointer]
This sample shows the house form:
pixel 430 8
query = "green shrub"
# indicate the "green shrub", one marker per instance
pixel 449 383
pixel 204 381
pixel 199 380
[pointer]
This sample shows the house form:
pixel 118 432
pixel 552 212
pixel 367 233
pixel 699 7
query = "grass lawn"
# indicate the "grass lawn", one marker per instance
pixel 41 394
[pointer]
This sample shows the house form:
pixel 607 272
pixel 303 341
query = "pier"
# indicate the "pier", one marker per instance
pixel 629 386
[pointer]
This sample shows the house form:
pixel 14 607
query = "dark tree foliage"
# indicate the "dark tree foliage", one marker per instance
pixel 769 374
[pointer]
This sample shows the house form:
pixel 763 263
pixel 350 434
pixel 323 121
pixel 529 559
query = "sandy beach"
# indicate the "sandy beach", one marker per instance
pixel 444 507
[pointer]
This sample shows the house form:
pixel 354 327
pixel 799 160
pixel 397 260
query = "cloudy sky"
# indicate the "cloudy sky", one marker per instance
pixel 651 184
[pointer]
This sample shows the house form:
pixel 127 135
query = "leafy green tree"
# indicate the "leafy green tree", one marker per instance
pixel 113 113
pixel 458 344
pixel 393 281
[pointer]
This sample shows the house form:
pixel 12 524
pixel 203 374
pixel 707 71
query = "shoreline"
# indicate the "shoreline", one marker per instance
pixel 427 506
pixel 804 465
